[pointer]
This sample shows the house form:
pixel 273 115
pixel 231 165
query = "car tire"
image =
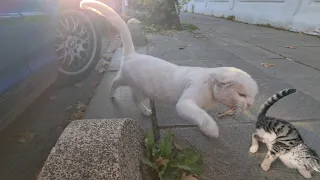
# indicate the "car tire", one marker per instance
pixel 78 46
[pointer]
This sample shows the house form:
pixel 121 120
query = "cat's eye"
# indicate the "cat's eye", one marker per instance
pixel 242 95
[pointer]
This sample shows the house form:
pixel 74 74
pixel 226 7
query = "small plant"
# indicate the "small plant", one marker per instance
pixel 188 26
pixel 231 18
pixel 169 162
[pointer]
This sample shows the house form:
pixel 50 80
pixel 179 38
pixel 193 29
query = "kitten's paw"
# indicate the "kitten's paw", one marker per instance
pixel 254 149
pixel 305 174
pixel 265 167
pixel 211 130
pixel 147 112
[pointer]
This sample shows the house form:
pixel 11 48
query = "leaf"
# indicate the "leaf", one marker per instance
pixel 180 166
pixel 161 161
pixel 184 176
pixel 149 163
pixel 168 144
pixel 68 108
pixel 291 47
pixel 150 140
pixel 77 85
pixel 25 137
pixel 81 106
pixel 267 65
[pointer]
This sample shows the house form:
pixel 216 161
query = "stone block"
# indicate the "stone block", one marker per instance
pixel 96 149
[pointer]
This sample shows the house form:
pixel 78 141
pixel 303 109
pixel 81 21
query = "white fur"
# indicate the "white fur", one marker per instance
pixel 192 89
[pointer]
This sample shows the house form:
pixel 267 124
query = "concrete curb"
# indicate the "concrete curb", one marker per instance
pixel 96 149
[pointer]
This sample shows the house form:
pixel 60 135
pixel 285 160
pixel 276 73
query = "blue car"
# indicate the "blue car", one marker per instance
pixel 43 42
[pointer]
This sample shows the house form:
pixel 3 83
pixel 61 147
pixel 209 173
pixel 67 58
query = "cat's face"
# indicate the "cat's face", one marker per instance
pixel 237 94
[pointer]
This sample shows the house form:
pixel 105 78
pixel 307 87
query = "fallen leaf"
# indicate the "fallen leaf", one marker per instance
pixel 81 106
pixel 229 112
pixel 78 85
pixel 291 47
pixel 77 115
pixel 161 161
pixel 68 108
pixel 52 98
pixel 267 65
pixel 177 146
pixel 25 137
pixel 184 176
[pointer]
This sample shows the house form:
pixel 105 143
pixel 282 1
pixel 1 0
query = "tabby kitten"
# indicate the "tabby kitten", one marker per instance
pixel 283 141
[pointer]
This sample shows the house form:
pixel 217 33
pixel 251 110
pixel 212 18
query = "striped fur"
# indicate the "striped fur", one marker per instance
pixel 273 99
pixel 283 140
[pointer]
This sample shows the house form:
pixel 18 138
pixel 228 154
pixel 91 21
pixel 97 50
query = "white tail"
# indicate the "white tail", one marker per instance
pixel 115 20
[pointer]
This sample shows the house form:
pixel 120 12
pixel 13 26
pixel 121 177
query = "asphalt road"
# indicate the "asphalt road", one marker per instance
pixel 26 143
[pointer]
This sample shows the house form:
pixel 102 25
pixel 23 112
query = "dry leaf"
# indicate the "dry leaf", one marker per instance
pixel 291 47
pixel 78 85
pixel 68 108
pixel 81 106
pixel 184 176
pixel 25 137
pixel 177 146
pixel 52 98
pixel 77 115
pixel 267 65
pixel 229 112
pixel 161 162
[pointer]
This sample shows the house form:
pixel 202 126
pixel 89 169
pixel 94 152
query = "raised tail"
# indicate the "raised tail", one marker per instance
pixel 273 99
pixel 114 18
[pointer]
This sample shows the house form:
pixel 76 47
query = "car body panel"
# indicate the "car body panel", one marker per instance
pixel 27 55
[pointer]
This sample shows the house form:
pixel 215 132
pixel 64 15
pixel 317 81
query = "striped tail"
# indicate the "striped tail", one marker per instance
pixel 273 99
pixel 316 167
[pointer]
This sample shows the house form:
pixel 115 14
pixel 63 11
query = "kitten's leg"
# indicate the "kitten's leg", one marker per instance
pixel 305 173
pixel 255 143
pixel 138 98
pixel 189 110
pixel 117 81
pixel 268 160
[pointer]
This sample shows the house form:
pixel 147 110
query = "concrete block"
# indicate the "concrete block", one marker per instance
pixel 96 149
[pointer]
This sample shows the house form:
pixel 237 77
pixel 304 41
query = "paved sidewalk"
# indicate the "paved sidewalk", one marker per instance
pixel 225 43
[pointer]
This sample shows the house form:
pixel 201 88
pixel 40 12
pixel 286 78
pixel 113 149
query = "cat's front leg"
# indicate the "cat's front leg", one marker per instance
pixel 306 174
pixel 189 110
pixel 255 143
pixel 268 160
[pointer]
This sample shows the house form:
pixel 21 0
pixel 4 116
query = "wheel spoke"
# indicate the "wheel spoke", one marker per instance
pixel 71 60
pixel 59 47
pixel 75 24
pixel 64 56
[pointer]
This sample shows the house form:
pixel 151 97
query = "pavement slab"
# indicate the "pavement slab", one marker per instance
pixel 228 158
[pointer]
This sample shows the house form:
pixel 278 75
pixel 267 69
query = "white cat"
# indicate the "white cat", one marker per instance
pixel 191 89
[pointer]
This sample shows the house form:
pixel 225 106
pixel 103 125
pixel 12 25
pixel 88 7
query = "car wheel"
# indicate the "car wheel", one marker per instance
pixel 78 46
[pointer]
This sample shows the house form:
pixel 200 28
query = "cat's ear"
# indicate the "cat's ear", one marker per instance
pixel 225 84
pixel 221 82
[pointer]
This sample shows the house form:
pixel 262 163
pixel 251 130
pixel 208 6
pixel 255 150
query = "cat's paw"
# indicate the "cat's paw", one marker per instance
pixel 265 167
pixel 305 174
pixel 254 149
pixel 147 112
pixel 211 130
